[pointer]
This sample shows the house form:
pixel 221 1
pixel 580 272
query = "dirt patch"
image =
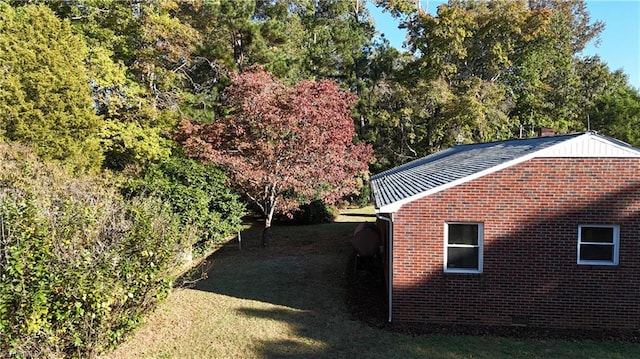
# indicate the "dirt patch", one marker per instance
pixel 599 335
pixel 366 291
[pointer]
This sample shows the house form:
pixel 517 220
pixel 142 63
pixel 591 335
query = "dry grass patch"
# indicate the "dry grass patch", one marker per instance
pixel 288 300
pixel 194 323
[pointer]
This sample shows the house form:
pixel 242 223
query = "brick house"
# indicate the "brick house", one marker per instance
pixel 543 232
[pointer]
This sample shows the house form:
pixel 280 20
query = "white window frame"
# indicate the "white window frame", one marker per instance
pixel 479 246
pixel 615 244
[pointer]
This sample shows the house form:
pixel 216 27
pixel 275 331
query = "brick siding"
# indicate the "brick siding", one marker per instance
pixel 531 214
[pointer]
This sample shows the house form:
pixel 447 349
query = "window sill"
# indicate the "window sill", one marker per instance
pixel 597 263
pixel 462 271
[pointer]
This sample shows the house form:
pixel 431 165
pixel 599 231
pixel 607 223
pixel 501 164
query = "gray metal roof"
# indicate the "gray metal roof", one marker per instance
pixel 452 164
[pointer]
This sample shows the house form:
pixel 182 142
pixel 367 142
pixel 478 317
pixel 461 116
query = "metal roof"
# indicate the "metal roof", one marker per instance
pixel 456 163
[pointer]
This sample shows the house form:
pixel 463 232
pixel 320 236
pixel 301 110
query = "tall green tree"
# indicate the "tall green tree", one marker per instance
pixel 234 35
pixel 338 33
pixel 489 70
pixel 45 96
pixel 136 59
pixel 617 114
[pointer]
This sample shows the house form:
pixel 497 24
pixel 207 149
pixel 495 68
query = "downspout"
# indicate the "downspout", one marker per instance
pixel 390 254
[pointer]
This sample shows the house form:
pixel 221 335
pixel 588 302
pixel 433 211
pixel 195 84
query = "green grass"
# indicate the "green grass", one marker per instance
pixel 288 301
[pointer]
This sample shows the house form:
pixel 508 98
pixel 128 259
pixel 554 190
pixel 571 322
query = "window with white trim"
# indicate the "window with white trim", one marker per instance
pixel 463 247
pixel 598 244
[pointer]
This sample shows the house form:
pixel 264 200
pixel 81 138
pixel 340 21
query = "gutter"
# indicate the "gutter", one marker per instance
pixel 390 254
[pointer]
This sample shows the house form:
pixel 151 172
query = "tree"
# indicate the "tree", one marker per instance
pixel 45 97
pixel 486 70
pixel 617 114
pixel 282 145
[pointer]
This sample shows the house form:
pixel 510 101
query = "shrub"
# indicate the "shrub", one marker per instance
pixel 79 265
pixel 315 212
pixel 197 193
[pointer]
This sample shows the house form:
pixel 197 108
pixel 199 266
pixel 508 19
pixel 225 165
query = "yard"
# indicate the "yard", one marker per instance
pixel 288 300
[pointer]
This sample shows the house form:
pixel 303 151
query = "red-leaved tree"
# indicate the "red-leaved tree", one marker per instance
pixel 282 145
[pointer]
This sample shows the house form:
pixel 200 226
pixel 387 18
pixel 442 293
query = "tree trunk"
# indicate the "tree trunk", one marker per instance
pixel 269 207
pixel 266 233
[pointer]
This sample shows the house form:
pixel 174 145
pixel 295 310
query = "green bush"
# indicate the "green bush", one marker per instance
pixel 130 144
pixel 197 193
pixel 79 265
pixel 315 212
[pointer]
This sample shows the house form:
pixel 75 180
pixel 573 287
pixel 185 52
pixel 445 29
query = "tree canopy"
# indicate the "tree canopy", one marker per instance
pixel 488 70
pixel 475 71
pixel 45 98
pixel 282 146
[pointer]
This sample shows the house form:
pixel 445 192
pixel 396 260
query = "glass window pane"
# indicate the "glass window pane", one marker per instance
pixel 462 258
pixel 594 252
pixel 597 234
pixel 463 234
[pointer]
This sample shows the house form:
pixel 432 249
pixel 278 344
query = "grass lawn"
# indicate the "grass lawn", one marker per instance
pixel 288 301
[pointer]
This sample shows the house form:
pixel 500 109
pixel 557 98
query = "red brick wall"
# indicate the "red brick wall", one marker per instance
pixel 531 214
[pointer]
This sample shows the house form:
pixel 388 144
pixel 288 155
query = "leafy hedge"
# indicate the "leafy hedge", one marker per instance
pixel 314 212
pixel 79 264
pixel 197 193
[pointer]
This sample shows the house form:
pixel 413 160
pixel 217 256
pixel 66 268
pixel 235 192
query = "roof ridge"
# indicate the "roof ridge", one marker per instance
pixel 445 152
pixel 574 134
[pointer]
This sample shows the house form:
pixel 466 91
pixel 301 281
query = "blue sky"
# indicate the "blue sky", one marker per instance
pixel 619 42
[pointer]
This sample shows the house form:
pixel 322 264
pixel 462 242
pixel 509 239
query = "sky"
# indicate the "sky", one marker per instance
pixel 619 42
